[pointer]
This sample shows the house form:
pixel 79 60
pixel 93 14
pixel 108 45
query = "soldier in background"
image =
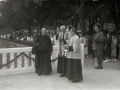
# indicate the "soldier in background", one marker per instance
pixel 98 45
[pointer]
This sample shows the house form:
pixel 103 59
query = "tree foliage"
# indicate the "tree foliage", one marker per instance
pixel 25 14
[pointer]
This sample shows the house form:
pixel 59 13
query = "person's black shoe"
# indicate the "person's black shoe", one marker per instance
pixel 75 81
pixel 62 75
pixel 100 68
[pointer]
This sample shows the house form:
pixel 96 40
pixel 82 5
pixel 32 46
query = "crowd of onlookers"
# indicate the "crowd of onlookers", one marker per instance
pixel 20 36
pixel 17 36
pixel 111 46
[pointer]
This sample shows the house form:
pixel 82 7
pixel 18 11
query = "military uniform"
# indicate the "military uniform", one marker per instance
pixel 98 46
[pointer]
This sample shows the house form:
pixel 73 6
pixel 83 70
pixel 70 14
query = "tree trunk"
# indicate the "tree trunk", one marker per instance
pixel 83 27
pixel 115 16
pixel 56 23
pixel 116 26
pixel 41 26
pixel 91 28
pixel 102 26
pixel 81 18
pixel 29 30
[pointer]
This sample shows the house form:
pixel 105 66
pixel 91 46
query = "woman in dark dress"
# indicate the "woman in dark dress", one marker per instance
pixel 43 53
pixel 108 48
pixel 74 68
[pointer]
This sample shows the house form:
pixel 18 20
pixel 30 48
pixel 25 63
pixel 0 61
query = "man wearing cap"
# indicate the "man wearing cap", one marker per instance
pixel 98 45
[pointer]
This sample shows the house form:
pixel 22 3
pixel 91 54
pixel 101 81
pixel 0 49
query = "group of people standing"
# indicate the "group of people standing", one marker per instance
pixel 98 46
pixel 69 57
pixel 110 48
pixel 104 46
pixel 69 62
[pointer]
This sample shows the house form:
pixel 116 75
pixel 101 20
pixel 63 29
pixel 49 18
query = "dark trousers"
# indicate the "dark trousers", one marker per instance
pixel 94 52
pixel 100 57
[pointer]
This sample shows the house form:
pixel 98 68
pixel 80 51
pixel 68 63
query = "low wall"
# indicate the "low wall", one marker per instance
pixel 21 60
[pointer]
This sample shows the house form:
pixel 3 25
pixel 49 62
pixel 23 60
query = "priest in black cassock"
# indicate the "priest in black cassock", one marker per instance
pixel 43 53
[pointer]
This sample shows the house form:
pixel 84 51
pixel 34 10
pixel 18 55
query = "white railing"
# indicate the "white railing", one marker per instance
pixel 22 63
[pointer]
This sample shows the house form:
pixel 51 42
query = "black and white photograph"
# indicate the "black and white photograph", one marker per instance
pixel 59 44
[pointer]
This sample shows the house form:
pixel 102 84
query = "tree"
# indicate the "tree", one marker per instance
pixel 10 17
pixel 91 14
pixel 114 7
pixel 18 15
pixel 25 14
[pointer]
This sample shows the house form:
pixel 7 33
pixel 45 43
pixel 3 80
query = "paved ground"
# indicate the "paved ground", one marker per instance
pixel 106 66
pixel 106 79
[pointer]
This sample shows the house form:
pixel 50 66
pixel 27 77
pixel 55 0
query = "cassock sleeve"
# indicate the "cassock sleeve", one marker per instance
pixel 76 44
pixel 36 41
pixel 35 46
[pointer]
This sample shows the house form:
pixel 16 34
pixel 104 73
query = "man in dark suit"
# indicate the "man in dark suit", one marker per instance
pixel 98 45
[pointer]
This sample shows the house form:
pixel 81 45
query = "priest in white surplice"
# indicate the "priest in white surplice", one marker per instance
pixel 74 56
pixel 64 38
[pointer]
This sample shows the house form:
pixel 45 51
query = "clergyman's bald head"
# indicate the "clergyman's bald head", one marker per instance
pixel 63 29
pixel 43 31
